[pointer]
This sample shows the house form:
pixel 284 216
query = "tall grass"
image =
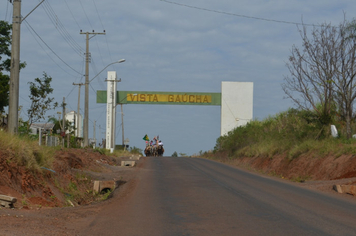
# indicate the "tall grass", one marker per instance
pixel 25 152
pixel 292 133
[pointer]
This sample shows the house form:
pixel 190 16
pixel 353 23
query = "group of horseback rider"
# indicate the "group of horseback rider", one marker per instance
pixel 153 147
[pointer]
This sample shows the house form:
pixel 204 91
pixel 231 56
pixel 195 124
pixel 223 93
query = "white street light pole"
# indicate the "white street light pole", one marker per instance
pixel 86 107
pixel 111 109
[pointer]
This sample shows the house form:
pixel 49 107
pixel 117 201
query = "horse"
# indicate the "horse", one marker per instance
pixel 160 150
pixel 148 151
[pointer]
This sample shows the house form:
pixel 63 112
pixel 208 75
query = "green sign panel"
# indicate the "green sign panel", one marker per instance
pixel 168 98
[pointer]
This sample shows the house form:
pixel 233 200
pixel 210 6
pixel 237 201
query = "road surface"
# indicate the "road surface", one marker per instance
pixel 193 196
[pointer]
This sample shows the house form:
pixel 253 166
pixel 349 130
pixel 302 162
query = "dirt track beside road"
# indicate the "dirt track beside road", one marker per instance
pixel 67 220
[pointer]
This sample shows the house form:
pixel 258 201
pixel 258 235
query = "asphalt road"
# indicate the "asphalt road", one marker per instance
pixel 190 196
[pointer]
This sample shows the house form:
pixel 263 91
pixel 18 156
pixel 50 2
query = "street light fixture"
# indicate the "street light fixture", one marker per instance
pixel 86 105
pixel 119 61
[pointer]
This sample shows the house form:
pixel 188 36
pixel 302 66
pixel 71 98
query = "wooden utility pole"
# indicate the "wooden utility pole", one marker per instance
pixel 86 105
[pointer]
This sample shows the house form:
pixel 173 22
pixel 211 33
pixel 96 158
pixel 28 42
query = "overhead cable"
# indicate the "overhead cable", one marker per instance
pixel 106 38
pixel 61 29
pixel 72 14
pixel 239 15
pixel 52 49
pixel 85 14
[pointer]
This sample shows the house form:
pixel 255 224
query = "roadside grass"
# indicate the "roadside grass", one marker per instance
pixel 26 152
pixel 291 133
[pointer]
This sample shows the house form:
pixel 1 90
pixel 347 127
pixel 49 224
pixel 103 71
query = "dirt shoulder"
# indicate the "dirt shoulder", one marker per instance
pixel 312 172
pixel 33 218
pixel 69 182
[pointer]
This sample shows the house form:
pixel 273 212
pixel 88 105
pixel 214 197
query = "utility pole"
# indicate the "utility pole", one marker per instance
pixel 86 105
pixel 77 121
pixel 13 119
pixel 15 69
pixel 94 134
pixel 122 123
pixel 63 122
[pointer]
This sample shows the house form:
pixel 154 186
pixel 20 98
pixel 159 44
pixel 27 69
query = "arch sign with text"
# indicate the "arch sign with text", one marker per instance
pixel 235 99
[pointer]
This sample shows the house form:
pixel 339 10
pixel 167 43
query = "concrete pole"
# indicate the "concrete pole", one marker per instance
pixel 113 119
pixel 86 103
pixel 94 134
pixel 78 129
pixel 63 122
pixel 15 69
pixel 77 120
pixel 40 136
pixel 122 123
pixel 68 138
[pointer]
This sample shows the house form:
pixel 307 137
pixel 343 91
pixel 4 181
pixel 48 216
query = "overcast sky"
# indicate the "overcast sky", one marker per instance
pixel 178 45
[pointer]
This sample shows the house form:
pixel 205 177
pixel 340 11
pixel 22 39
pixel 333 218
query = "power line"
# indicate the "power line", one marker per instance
pixel 61 29
pixel 85 14
pixel 106 39
pixel 72 14
pixel 52 49
pixel 239 15
pixel 31 30
pixel 70 92
pixel 98 14
pixel 7 9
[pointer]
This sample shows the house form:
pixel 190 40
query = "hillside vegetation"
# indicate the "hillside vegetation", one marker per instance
pixel 292 133
pixel 301 143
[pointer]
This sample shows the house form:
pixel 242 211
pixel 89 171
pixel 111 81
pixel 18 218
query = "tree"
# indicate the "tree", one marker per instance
pixel 345 93
pixel 5 55
pixel 5 42
pixel 40 100
pixel 58 125
pixel 175 154
pixel 322 73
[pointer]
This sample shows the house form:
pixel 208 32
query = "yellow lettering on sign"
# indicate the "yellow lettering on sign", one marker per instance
pixel 170 98
pixel 191 98
pixel 155 98
pixel 142 98
pixel 149 97
pixel 205 99
pixel 198 99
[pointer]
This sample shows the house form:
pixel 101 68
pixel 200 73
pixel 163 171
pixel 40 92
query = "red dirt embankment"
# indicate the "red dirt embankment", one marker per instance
pixel 319 173
pixel 304 167
pixel 45 187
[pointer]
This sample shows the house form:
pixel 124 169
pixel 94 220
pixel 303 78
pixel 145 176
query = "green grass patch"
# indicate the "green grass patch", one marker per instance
pixel 293 133
pixel 26 152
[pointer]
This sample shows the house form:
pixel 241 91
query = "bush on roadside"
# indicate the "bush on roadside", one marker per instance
pixel 293 132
